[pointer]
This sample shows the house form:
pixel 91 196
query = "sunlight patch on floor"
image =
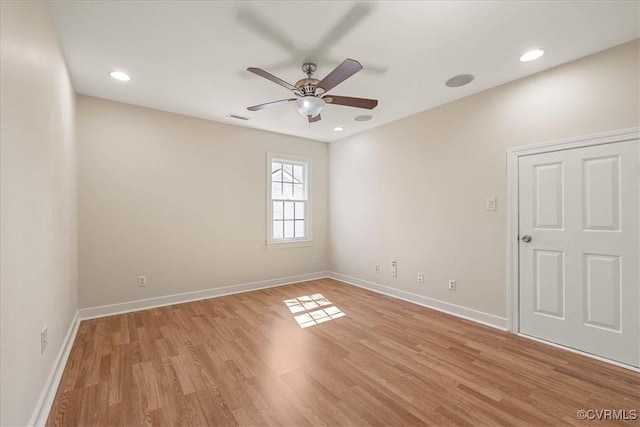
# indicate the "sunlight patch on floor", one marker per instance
pixel 314 309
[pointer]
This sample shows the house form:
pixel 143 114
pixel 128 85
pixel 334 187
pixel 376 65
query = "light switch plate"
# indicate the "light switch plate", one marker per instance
pixel 491 204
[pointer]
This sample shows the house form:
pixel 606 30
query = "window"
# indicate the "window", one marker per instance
pixel 288 201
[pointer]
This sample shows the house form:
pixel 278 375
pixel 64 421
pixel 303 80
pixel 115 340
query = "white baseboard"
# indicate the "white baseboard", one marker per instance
pixel 41 412
pixel 445 307
pixel 128 307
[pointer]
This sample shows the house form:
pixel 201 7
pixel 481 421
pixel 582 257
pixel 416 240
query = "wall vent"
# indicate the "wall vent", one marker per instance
pixel 235 116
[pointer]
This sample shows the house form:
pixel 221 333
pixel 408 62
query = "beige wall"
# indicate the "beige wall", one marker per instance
pixel 415 189
pixel 38 205
pixel 182 201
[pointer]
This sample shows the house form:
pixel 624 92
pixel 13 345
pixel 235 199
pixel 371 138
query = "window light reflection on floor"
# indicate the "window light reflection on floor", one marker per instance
pixel 313 309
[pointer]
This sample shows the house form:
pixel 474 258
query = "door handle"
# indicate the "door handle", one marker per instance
pixel 526 238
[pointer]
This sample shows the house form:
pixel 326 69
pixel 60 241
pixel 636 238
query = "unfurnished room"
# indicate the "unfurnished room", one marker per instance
pixel 319 213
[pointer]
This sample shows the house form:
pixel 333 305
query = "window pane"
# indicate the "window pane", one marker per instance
pixel 288 202
pixel 287 191
pixel 288 230
pixel 288 210
pixel 298 191
pixel 276 190
pixel 288 172
pixel 277 229
pixel 277 210
pixel 298 173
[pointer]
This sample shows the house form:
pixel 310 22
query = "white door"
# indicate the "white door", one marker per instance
pixel 579 249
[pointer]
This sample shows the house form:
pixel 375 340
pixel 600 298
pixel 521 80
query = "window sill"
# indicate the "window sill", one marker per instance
pixel 289 244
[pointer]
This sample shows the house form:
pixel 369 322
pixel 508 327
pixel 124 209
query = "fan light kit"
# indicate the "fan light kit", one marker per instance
pixel 532 55
pixel 311 93
pixel 310 106
pixel 338 129
pixel 120 75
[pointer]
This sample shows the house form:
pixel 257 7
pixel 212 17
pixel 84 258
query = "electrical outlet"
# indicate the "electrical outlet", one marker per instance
pixel 394 268
pixel 377 268
pixel 142 281
pixel 420 278
pixel 452 285
pixel 44 339
pixel 314 259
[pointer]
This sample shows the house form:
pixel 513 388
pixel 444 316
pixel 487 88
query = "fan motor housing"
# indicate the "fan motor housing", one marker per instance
pixel 307 86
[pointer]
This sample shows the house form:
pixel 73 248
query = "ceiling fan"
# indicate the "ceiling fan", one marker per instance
pixel 311 94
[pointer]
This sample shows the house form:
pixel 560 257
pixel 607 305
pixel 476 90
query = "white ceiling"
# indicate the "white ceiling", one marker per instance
pixel 190 57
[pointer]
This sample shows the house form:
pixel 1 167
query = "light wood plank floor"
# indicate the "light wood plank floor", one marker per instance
pixel 244 360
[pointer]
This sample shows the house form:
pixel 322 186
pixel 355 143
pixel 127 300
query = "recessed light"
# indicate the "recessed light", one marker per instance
pixel 120 75
pixel 532 55
pixel 363 118
pixel 338 129
pixel 460 80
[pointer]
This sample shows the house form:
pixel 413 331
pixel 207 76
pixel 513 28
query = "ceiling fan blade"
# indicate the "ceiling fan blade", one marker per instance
pixel 271 77
pixel 315 119
pixel 351 102
pixel 270 104
pixel 341 73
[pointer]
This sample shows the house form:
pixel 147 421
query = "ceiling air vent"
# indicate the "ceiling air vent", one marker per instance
pixel 235 116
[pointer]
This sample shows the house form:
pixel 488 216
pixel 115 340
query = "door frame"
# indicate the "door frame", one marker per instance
pixel 513 156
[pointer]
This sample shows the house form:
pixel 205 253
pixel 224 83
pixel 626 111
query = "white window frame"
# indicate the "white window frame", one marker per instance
pixel 295 242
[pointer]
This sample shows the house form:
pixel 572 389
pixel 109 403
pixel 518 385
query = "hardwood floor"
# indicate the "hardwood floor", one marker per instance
pixel 244 360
